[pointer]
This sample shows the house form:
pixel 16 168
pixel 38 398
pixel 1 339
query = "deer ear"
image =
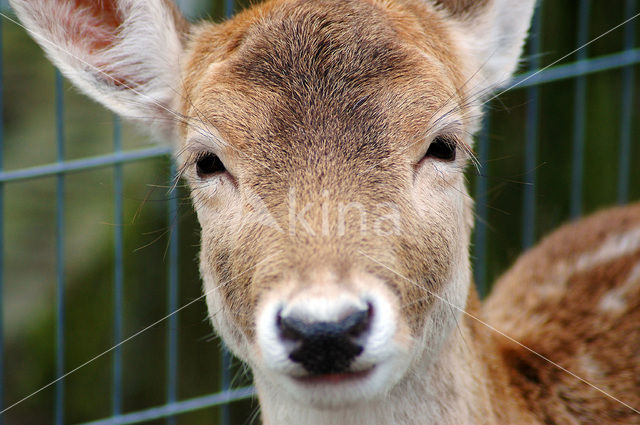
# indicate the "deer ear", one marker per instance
pixel 491 34
pixel 123 53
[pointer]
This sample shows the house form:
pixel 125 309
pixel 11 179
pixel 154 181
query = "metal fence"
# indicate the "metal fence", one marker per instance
pixel 575 68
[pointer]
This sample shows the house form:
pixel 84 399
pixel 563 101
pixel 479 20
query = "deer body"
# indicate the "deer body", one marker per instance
pixel 324 143
pixel 580 308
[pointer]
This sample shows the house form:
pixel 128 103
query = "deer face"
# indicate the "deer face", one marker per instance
pixel 326 170
pixel 324 143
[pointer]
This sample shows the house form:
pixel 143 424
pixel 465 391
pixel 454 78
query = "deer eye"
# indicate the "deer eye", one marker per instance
pixel 208 164
pixel 442 148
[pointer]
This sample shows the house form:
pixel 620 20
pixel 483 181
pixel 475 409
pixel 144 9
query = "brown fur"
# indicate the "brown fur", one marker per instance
pixel 462 7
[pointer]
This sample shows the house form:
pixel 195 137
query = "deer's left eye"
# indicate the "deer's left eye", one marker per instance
pixel 442 148
pixel 209 164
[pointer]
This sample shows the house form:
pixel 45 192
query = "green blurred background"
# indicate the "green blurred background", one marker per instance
pixel 30 228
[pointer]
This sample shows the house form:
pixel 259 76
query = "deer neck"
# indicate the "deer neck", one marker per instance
pixel 460 387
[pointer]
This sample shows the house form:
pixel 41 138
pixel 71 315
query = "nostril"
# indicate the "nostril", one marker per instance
pixel 293 329
pixel 357 323
pixel 289 328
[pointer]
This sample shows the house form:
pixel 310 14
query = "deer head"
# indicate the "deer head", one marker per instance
pixel 324 142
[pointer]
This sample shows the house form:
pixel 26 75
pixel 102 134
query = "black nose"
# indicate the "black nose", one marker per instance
pixel 325 347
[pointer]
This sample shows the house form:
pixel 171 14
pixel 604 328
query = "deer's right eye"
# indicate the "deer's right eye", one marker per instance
pixel 208 165
pixel 442 148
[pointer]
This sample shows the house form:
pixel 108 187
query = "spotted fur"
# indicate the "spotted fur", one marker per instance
pixel 575 298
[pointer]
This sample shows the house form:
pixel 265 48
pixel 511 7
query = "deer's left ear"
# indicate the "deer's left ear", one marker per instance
pixel 490 35
pixel 123 53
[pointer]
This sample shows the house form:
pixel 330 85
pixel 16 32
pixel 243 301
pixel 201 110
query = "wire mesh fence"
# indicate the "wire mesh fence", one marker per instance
pixel 98 247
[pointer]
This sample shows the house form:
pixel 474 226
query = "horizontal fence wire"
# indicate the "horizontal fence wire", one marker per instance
pixel 576 69
pixel 178 407
pixel 84 164
pixel 530 80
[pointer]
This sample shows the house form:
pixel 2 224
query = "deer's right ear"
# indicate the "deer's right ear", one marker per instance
pixel 491 34
pixel 123 53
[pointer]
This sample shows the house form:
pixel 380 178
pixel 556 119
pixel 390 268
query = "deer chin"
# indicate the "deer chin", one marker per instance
pixel 336 390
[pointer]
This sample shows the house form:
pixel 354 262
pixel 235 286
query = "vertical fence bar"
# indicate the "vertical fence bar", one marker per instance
pixel 580 97
pixel 225 410
pixel 228 8
pixel 1 227
pixel 480 236
pixel 117 271
pixel 624 159
pixel 60 307
pixel 172 299
pixel 531 138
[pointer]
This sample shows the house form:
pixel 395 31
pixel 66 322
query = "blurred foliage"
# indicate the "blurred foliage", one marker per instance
pixel 29 220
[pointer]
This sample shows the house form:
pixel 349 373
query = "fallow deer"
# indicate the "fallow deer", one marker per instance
pixel 324 142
